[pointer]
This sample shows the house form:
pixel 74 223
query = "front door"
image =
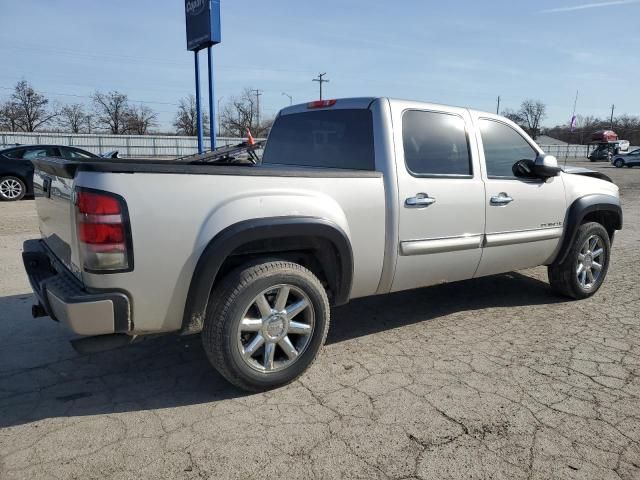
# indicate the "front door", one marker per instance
pixel 441 218
pixel 524 217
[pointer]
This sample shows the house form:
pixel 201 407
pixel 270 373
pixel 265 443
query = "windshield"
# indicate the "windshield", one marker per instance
pixel 341 138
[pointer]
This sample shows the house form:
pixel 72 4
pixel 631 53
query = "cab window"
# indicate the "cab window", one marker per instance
pixel 435 143
pixel 503 146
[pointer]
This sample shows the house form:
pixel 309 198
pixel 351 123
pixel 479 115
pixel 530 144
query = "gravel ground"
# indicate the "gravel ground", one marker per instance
pixel 488 378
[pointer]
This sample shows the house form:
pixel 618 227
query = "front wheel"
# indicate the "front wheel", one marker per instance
pixel 12 188
pixel 619 163
pixel 585 267
pixel 266 325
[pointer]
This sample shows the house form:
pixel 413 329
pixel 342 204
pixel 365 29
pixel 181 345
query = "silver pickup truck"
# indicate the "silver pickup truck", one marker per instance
pixel 352 197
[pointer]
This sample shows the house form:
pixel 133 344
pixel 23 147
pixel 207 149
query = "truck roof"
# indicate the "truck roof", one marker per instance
pixel 365 102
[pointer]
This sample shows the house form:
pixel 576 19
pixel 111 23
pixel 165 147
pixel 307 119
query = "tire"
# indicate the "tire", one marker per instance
pixel 565 278
pixel 619 163
pixel 234 347
pixel 12 188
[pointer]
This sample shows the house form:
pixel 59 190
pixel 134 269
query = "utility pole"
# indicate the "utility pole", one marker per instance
pixel 320 80
pixel 613 107
pixel 219 112
pixel 498 107
pixel 258 94
pixel 290 97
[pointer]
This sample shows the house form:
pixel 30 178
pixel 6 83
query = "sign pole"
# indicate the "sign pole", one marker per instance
pixel 198 107
pixel 212 110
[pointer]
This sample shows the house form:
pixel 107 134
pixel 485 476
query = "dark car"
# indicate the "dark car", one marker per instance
pixel 16 170
pixel 631 159
pixel 602 152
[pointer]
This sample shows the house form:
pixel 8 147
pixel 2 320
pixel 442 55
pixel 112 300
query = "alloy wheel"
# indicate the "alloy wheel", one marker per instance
pixel 276 328
pixel 590 262
pixel 10 188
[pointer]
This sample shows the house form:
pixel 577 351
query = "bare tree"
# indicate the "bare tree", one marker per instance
pixel 9 116
pixel 31 107
pixel 186 121
pixel 73 118
pixel 111 110
pixel 241 113
pixel 512 115
pixel 532 113
pixel 140 119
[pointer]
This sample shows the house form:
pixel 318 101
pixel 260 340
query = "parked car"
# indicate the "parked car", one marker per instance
pixel 16 169
pixel 602 153
pixel 631 159
pixel 352 198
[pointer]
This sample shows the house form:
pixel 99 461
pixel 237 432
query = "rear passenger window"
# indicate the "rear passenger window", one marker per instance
pixel 435 144
pixel 503 147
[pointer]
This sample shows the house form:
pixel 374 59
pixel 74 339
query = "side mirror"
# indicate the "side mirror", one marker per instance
pixel 546 166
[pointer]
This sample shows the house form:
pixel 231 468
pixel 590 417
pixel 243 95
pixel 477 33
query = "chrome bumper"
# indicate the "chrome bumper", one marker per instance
pixel 66 300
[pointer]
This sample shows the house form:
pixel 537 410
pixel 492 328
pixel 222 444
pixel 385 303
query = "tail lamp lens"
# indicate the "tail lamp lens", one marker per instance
pixel 103 231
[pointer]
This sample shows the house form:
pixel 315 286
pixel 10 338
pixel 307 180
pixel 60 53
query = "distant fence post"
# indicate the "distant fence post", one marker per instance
pixel 127 140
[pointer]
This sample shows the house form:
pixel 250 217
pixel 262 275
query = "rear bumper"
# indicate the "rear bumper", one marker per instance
pixel 66 300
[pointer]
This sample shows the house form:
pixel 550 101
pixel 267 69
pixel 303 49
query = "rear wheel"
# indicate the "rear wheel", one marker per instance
pixel 12 188
pixel 585 267
pixel 267 324
pixel 619 163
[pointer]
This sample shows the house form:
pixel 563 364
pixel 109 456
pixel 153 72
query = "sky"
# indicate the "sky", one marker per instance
pixel 464 53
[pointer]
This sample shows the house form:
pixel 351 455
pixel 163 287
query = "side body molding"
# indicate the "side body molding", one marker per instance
pixel 241 233
pixel 579 209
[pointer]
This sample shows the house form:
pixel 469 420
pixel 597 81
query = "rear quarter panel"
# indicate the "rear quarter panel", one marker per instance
pixel 174 217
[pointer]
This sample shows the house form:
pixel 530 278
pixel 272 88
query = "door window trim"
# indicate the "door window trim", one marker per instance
pixel 484 157
pixel 438 175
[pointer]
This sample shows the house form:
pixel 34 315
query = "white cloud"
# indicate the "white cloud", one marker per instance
pixel 589 5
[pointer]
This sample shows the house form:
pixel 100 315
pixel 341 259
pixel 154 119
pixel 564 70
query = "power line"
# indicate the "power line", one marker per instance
pixel 320 80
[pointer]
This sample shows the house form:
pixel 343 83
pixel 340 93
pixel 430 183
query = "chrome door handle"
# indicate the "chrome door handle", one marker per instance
pixel 420 200
pixel 501 199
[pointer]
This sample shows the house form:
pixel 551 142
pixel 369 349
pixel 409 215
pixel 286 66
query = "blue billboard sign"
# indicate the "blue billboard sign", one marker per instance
pixel 203 23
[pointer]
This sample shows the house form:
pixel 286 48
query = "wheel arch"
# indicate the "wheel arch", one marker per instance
pixel 322 243
pixel 601 208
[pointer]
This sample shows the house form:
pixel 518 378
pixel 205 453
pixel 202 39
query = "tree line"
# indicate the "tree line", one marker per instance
pixel 27 110
pixel 626 126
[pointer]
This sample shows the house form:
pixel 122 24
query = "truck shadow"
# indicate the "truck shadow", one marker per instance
pixel 41 377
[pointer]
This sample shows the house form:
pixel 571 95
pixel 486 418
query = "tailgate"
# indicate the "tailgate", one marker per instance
pixel 53 187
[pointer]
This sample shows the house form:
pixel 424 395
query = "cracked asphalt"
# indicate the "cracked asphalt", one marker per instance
pixel 489 378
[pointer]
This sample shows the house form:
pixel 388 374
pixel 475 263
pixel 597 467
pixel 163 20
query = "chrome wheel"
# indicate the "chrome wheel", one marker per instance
pixel 276 328
pixel 10 188
pixel 590 262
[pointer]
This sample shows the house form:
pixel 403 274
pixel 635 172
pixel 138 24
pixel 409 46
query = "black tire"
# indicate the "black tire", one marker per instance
pixel 619 163
pixel 233 298
pixel 12 188
pixel 563 277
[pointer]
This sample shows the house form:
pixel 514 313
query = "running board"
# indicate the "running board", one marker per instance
pixel 101 343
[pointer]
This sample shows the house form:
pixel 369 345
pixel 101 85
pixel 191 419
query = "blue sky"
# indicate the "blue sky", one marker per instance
pixel 457 52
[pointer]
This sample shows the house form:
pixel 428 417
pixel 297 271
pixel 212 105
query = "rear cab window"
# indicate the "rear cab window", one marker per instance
pixel 341 138
pixel 435 144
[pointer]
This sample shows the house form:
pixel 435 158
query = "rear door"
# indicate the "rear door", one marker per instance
pixel 524 217
pixel 441 218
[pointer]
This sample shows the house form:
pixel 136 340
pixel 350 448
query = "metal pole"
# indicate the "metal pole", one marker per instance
pixel 212 111
pixel 498 107
pixel 198 109
pixel 218 112
pixel 611 122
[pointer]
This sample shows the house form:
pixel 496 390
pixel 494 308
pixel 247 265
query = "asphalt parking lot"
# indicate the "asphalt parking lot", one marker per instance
pixel 489 378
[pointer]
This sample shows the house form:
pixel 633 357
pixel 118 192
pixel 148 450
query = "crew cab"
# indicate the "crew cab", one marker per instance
pixel 352 198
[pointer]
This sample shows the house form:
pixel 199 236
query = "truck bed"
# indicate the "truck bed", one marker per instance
pixel 68 168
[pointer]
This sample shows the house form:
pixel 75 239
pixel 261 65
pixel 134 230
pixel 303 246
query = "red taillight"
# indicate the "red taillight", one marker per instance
pixel 103 231
pixel 98 204
pixel 321 104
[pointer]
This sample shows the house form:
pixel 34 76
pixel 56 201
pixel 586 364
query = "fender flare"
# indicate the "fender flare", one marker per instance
pixel 226 241
pixel 579 209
